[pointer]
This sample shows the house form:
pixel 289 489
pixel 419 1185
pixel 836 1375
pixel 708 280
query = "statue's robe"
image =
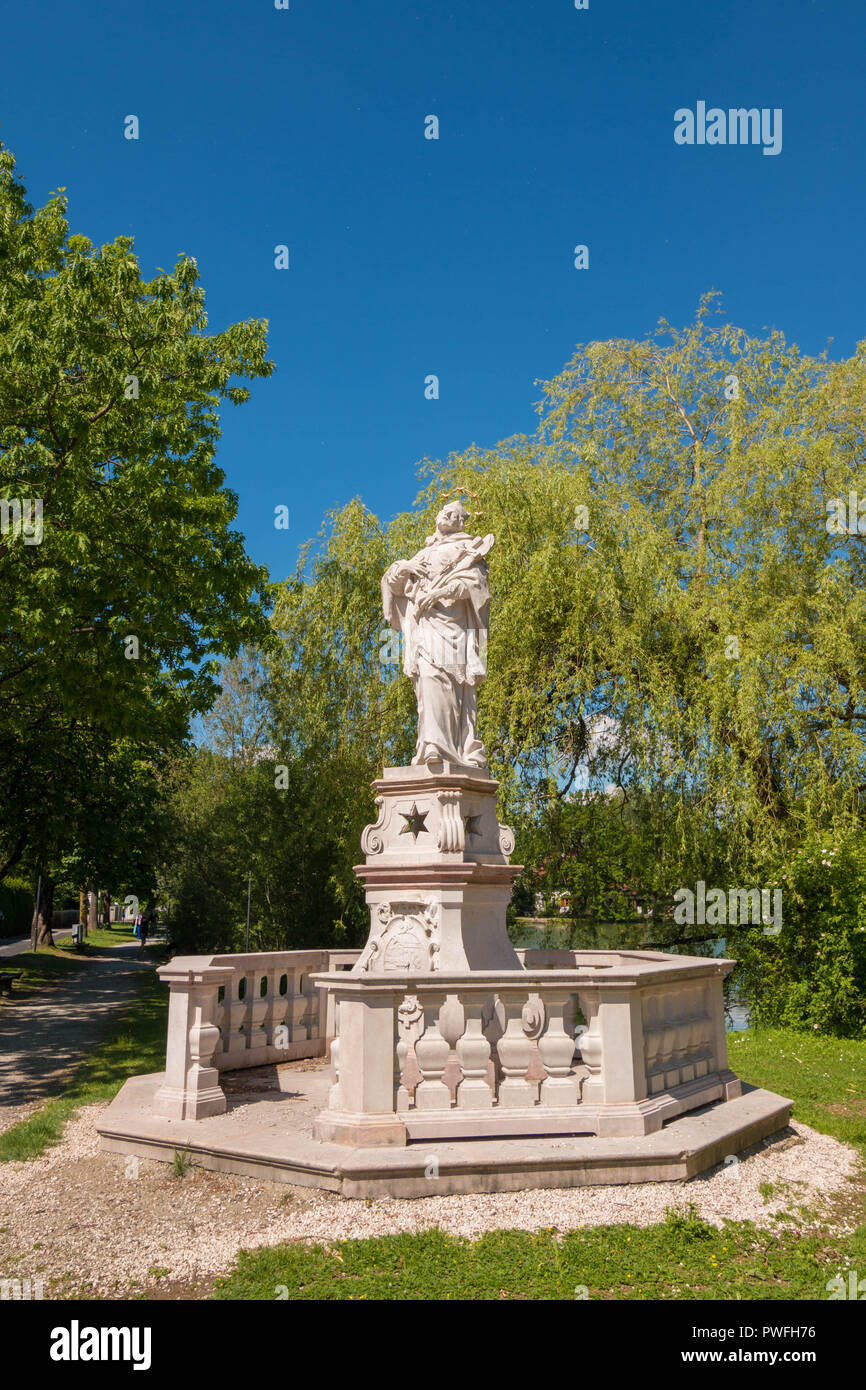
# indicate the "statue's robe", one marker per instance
pixel 444 644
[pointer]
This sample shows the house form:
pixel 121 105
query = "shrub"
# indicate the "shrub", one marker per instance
pixel 812 976
pixel 16 904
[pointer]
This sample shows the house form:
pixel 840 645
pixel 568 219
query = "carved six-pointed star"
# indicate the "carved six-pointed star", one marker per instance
pixel 415 822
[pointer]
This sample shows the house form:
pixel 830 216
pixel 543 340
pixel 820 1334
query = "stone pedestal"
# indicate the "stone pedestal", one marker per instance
pixel 437 874
pixel 191 1089
pixel 362 1101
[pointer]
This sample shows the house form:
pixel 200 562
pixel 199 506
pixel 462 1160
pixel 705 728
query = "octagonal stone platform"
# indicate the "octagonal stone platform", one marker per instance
pixel 267 1133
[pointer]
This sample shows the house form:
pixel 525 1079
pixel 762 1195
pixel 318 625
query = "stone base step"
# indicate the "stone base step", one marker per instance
pixel 270 1138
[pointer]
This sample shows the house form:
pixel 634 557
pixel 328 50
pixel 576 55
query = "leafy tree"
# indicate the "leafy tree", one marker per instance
pixel 238 724
pixel 674 615
pixel 111 621
pixel 266 820
pixel 812 976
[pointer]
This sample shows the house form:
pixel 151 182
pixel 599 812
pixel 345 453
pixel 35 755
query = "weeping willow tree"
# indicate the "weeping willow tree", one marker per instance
pixel 678 613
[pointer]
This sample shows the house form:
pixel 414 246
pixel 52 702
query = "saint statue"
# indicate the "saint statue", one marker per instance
pixel 440 601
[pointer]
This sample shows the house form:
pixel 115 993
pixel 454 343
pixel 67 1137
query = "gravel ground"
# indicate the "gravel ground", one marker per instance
pixel 14 1114
pixel 83 1222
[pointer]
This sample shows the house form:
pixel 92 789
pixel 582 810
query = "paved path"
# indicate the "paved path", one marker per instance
pixel 44 1036
pixel 17 948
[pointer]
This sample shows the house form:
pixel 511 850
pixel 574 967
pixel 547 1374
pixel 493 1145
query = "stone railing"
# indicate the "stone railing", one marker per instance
pixel 487 1053
pixel 228 1012
pixel 481 1053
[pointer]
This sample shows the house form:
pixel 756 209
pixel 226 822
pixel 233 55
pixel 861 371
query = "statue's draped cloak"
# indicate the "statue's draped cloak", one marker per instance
pixel 444 641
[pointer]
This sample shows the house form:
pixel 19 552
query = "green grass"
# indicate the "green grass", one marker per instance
pixel 181 1162
pixel 40 968
pixel 825 1077
pixel 134 1043
pixel 680 1258
pixel 101 937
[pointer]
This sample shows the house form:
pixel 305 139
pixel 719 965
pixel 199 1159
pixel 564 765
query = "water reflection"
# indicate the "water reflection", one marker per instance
pixel 574 935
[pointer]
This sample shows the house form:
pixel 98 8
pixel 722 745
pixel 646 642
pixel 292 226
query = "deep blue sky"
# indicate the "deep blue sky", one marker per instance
pixel 454 257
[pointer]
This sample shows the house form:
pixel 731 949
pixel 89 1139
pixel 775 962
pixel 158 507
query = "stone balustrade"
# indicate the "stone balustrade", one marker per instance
pixel 233 1011
pixel 460 1054
pixel 487 1053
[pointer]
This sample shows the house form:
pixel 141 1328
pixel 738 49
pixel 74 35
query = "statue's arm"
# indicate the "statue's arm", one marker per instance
pixel 397 575
pixel 470 584
pixel 395 592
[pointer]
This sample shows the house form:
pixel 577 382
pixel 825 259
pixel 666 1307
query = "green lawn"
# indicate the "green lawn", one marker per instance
pixel 102 936
pixel 825 1077
pixel 134 1043
pixel 36 969
pixel 680 1258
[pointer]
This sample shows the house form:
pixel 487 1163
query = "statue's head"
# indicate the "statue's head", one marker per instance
pixel 453 517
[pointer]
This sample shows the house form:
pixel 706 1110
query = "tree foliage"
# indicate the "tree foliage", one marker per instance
pixel 674 624
pixel 113 620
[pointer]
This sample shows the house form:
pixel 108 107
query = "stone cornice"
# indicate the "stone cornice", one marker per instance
pixel 436 874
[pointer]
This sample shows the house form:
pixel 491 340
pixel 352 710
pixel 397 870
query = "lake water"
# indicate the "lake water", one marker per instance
pixel 573 935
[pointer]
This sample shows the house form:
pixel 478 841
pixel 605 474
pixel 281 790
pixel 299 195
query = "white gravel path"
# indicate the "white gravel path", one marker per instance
pixel 80 1220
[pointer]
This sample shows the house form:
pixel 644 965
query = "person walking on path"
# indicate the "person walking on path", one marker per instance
pixel 144 927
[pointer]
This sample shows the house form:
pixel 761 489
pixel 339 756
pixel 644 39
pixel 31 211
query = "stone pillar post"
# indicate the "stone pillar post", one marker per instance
pixel 613 1048
pixel 437 875
pixel 192 1090
pixel 367 1033
pixel 731 1083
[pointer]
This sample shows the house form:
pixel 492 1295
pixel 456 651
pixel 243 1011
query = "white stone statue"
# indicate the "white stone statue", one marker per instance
pixel 440 601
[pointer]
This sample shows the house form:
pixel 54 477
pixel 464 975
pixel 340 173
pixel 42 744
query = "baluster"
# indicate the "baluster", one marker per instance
pixel 494 1027
pixel 245 986
pixel 556 1047
pixel 515 1052
pixel 670 1033
pixel 591 1049
pixel 682 1040
pixel 298 1008
pixel 569 1018
pixel 473 1054
pixel 235 1009
pixel 258 987
pixel 401 1049
pixel 315 1012
pixel 695 1029
pixel 277 1030
pixel 652 1042
pixel 222 1021
pixel 335 1099
pixel 679 1042
pixel 431 1054
pixel 703 1039
pixel 310 994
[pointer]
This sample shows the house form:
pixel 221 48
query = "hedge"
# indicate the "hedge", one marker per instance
pixel 16 904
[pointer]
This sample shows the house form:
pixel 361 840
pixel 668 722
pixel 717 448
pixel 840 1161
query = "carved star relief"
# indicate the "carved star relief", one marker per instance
pixel 471 824
pixel 415 822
